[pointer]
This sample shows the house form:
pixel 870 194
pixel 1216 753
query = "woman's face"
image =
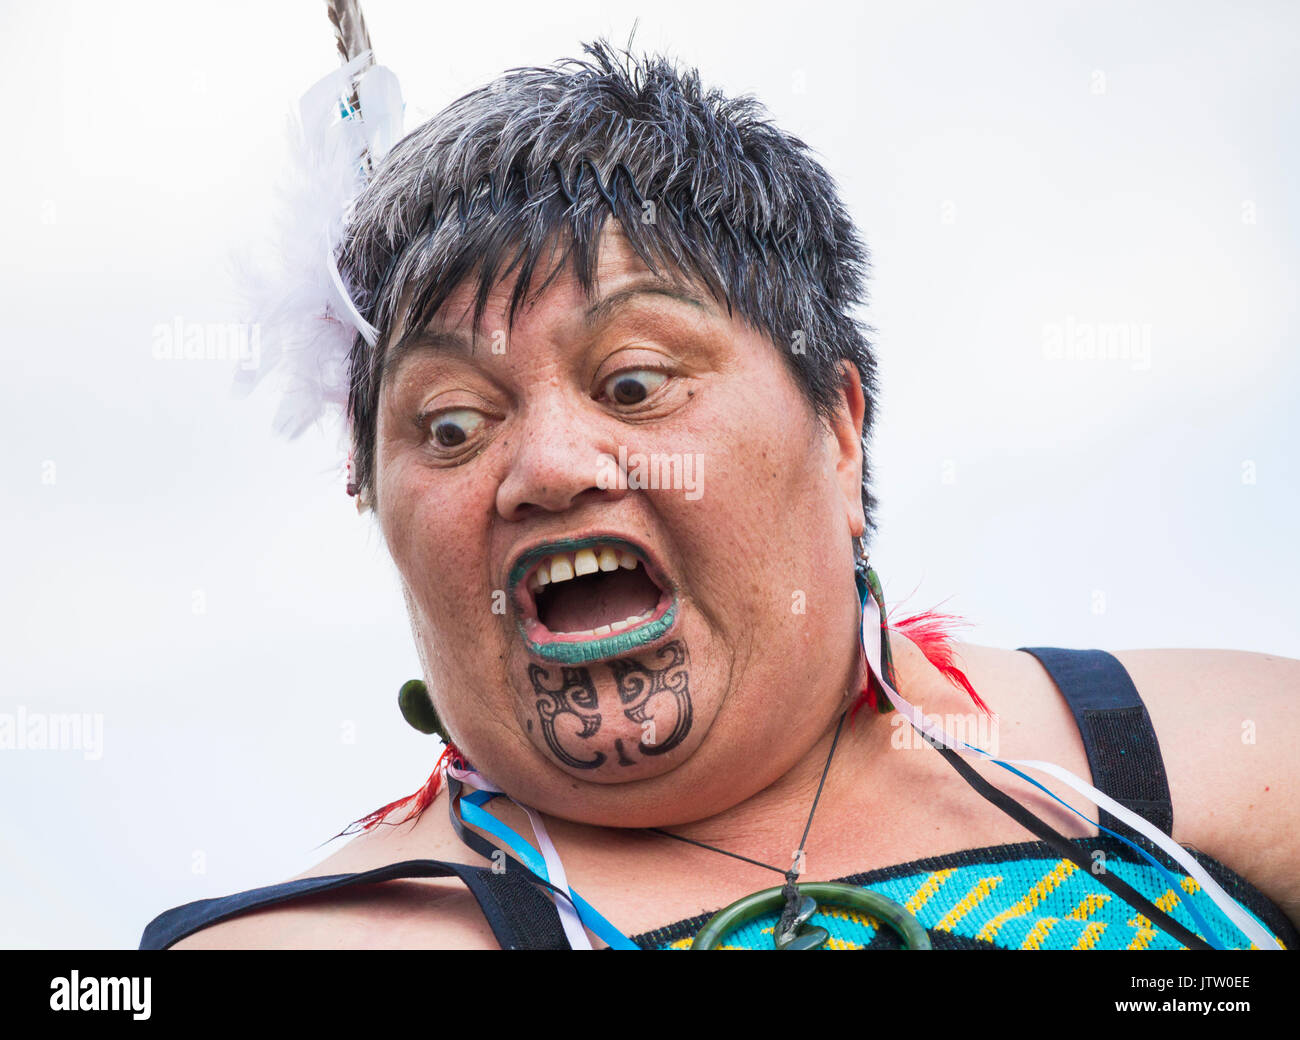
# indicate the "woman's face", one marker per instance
pixel 625 542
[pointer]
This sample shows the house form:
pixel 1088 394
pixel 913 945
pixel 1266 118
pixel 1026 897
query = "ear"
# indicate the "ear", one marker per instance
pixel 845 429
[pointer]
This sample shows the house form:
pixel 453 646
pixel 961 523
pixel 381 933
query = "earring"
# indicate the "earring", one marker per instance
pixel 861 567
pixel 418 710
pixel 354 489
pixel 869 582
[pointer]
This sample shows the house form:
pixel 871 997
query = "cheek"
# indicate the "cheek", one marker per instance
pixel 768 497
pixel 434 528
pixel 764 452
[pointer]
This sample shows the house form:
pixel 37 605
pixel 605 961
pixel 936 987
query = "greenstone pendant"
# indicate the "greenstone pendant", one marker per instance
pixel 884 909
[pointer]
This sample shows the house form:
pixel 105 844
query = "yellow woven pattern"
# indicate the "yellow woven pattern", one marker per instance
pixel 1142 939
pixel 928 888
pixel 845 913
pixel 1045 886
pixel 1038 933
pixel 1090 936
pixel 1088 906
pixel 977 894
pixel 1167 901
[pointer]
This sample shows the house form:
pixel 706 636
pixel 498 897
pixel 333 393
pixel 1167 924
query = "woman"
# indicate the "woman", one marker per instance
pixel 613 426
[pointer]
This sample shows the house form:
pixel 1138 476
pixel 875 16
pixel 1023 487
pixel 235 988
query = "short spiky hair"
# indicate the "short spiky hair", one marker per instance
pixel 703 185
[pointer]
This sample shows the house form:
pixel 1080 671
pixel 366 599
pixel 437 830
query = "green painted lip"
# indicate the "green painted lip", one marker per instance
pixel 617 644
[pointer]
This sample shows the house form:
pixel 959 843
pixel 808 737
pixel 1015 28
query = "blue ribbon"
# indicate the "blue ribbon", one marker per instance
pixel 472 812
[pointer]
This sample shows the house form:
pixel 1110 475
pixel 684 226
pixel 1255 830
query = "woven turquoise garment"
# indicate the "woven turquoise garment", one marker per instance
pixel 1018 897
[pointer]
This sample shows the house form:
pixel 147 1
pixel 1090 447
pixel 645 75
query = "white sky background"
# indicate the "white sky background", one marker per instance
pixel 1012 167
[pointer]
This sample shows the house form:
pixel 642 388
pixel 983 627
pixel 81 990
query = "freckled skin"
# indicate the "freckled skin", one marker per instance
pixel 780 505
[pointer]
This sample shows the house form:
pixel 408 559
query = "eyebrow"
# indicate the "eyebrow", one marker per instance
pixel 603 308
pixel 459 344
pixel 438 341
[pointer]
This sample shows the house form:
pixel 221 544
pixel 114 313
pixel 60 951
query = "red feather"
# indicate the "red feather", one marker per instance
pixel 419 801
pixel 932 633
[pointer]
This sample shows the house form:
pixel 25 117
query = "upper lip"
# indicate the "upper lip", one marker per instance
pixel 529 556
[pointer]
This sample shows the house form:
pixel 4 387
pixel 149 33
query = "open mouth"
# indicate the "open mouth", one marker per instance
pixel 590 599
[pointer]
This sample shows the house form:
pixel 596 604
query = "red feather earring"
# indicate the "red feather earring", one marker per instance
pixel 930 630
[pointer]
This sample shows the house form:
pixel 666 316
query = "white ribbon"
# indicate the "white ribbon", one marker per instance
pixel 573 928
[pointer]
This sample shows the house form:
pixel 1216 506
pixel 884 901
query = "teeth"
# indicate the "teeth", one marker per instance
pixel 566 566
pixel 605 630
pixel 584 562
pixel 563 566
pixel 615 626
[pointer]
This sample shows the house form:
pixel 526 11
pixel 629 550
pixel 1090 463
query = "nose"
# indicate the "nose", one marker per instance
pixel 557 460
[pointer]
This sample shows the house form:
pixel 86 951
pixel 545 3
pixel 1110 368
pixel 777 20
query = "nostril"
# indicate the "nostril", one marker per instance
pixel 546 498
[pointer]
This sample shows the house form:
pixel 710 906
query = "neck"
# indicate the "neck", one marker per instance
pixel 768 826
pixel 861 767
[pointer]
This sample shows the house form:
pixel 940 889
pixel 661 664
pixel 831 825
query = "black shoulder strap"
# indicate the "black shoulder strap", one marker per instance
pixel 1123 752
pixel 515 909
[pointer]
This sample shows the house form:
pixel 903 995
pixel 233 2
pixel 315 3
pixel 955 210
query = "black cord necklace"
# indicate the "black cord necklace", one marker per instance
pixel 800 901
pixel 799 908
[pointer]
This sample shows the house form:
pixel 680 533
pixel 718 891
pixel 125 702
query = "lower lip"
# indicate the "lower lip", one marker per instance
pixel 574 649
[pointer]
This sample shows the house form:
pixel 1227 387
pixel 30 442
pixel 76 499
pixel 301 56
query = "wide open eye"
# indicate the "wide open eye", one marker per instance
pixel 633 385
pixel 452 429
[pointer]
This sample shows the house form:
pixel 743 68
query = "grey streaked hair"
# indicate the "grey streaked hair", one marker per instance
pixel 703 185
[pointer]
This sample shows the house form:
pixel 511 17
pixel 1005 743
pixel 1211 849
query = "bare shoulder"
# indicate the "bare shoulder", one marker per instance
pixel 1228 730
pixel 395 915
pixel 416 913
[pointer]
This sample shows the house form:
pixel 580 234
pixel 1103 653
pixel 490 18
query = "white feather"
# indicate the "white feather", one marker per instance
pixel 306 320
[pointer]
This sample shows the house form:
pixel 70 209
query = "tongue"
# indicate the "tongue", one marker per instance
pixel 581 604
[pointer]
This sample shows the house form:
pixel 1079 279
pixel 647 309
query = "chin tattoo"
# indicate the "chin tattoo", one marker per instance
pixel 653 692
